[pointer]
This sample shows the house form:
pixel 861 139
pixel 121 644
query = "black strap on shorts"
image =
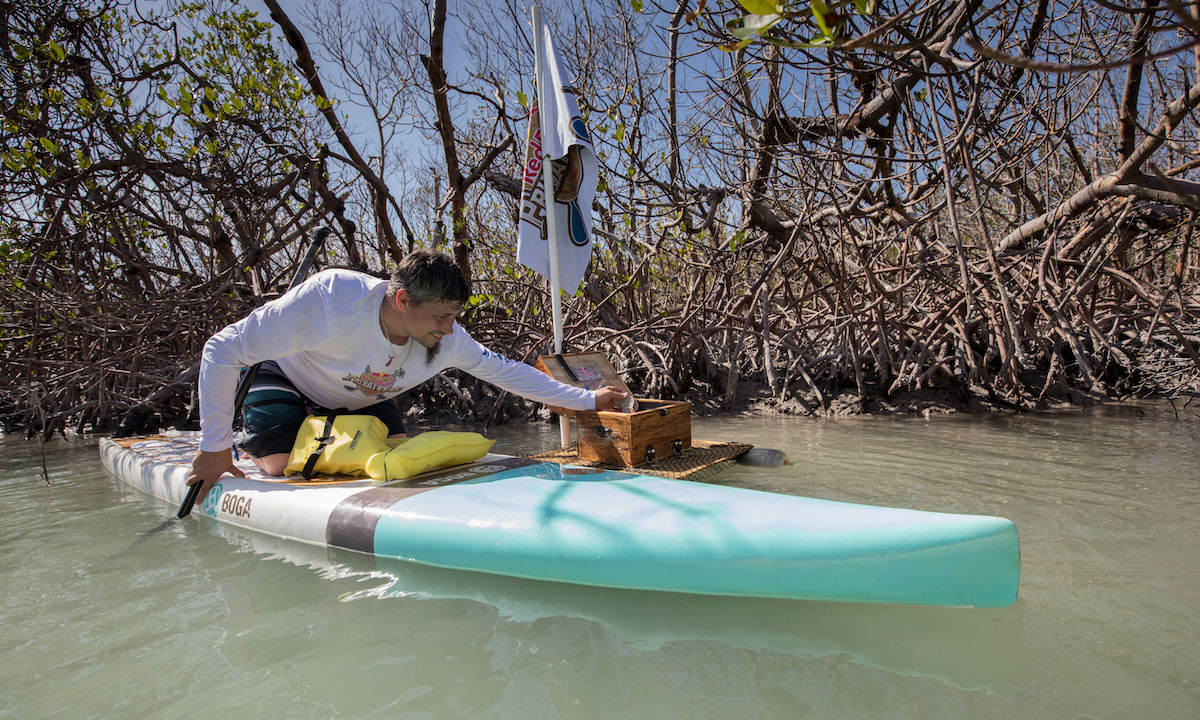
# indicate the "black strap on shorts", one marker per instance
pixel 323 439
pixel 243 387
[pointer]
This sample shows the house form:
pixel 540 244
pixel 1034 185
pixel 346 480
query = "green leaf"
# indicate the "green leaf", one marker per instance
pixel 523 99
pixel 735 46
pixel 760 7
pixel 48 145
pixel 56 51
pixel 478 299
pixel 817 41
pixel 14 161
pixel 820 10
pixel 637 5
pixel 865 7
pixel 751 26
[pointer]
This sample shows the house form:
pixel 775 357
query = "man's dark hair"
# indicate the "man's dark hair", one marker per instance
pixel 430 276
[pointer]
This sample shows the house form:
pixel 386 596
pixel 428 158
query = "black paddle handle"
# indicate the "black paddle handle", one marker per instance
pixel 189 500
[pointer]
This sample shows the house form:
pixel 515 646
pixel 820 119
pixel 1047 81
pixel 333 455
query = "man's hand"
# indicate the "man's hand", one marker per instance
pixel 613 399
pixel 208 467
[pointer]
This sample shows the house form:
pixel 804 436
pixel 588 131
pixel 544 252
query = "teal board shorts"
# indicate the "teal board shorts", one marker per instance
pixel 274 410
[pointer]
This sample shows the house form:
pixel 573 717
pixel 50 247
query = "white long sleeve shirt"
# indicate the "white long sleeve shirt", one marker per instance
pixel 325 336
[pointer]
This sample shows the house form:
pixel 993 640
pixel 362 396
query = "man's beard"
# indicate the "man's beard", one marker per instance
pixel 431 352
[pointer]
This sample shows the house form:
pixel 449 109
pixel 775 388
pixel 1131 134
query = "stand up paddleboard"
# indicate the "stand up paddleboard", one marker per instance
pixel 587 526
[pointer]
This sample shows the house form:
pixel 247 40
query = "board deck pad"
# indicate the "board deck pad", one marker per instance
pixel 703 460
pixel 181 453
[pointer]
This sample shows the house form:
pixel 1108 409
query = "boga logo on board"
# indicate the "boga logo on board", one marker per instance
pixel 211 499
pixel 234 504
pixel 229 503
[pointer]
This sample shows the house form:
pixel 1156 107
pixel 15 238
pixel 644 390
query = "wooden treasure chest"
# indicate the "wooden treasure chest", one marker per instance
pixel 655 429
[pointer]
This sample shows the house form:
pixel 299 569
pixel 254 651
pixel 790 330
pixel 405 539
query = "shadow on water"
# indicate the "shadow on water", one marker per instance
pixel 938 643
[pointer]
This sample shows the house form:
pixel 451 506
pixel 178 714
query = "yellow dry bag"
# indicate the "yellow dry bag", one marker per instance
pixel 429 450
pixel 358 445
pixel 338 444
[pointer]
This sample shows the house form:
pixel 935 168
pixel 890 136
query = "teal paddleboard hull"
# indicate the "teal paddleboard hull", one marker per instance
pixel 515 517
pixel 630 531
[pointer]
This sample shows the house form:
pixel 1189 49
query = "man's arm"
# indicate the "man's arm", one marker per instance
pixel 525 380
pixel 517 377
pixel 208 467
pixel 295 322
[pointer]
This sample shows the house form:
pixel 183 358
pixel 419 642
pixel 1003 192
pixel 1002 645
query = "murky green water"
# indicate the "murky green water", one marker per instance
pixel 203 622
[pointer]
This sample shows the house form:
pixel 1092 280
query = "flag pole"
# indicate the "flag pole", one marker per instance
pixel 544 95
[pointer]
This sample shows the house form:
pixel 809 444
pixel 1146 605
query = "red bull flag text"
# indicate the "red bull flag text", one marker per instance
pixel 575 174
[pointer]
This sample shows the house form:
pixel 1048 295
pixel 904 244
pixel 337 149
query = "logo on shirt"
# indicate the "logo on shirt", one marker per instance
pixel 373 383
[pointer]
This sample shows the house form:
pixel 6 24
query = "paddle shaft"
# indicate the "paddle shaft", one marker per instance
pixel 189 500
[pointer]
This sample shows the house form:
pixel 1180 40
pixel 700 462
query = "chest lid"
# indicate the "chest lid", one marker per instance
pixel 587 370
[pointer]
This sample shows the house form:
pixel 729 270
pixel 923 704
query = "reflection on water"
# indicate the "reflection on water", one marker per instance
pixel 240 625
pixel 931 642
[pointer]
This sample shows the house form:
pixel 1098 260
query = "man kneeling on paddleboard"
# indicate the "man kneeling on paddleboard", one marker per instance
pixel 347 340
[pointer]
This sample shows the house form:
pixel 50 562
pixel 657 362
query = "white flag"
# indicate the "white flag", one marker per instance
pixel 575 175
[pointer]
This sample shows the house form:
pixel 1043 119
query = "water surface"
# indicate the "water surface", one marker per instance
pixel 202 621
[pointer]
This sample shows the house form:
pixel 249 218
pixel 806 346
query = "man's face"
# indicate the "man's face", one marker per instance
pixel 429 322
